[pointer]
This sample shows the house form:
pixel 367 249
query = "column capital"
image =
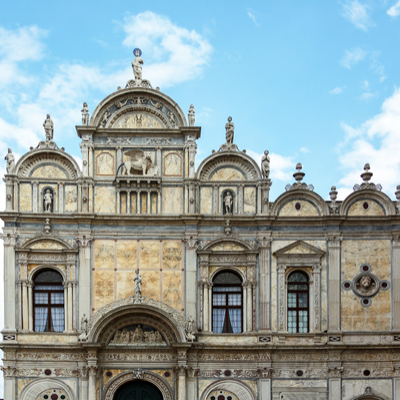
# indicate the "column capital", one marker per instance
pixel 264 242
pixel 191 242
pixel 334 240
pixel 84 240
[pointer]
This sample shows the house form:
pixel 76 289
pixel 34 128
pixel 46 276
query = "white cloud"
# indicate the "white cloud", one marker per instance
pixel 305 150
pixel 282 167
pixel 179 54
pixel 394 11
pixel 358 14
pixel 252 17
pixel 376 141
pixel 366 96
pixel 351 58
pixel 337 90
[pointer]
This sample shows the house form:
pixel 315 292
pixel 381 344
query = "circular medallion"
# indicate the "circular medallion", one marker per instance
pixel 365 285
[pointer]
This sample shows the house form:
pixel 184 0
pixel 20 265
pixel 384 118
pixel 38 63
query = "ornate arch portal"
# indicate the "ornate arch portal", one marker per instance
pixel 129 384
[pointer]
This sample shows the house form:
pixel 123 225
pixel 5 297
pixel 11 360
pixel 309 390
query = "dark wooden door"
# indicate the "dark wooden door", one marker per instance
pixel 138 390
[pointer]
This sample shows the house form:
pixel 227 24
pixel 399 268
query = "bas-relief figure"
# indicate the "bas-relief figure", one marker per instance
pixel 139 163
pixel 48 128
pixel 10 158
pixel 138 335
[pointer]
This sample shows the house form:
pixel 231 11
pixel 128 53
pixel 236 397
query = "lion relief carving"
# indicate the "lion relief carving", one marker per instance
pixel 366 285
pixel 138 162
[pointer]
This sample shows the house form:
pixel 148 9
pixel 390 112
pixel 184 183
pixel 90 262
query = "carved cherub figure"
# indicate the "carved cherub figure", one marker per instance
pixel 10 161
pixel 366 282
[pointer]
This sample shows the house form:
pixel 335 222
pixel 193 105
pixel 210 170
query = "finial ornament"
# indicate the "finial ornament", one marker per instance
pixel 265 164
pixel 191 116
pixel 299 177
pixel 366 177
pixel 48 128
pixel 10 161
pixel 85 114
pixel 333 195
pixel 229 127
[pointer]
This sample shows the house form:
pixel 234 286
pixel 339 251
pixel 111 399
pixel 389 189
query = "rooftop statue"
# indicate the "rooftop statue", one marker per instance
pixel 10 161
pixel 265 164
pixel 191 117
pixel 137 65
pixel 85 114
pixel 229 127
pixel 48 127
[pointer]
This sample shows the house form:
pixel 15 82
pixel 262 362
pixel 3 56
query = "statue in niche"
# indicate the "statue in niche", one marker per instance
pixel 191 117
pixel 229 127
pixel 137 65
pixel 137 292
pixel 48 128
pixel 228 202
pixel 10 158
pixel 139 163
pixel 85 114
pixel 265 162
pixel 48 201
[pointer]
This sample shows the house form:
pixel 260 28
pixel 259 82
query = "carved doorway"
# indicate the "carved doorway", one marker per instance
pixel 138 390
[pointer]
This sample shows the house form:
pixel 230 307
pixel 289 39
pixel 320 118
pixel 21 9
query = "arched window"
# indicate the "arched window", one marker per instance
pixel 227 300
pixel 48 302
pixel 298 302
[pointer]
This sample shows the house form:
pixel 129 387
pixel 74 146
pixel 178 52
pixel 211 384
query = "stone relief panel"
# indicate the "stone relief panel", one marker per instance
pixel 137 335
pixel 172 200
pixel 354 388
pixel 104 163
pixel 206 200
pixel 365 207
pixel 355 317
pixel 49 171
pixel 104 200
pixel 227 246
pixel 172 163
pixel 227 174
pixel 249 200
pixel 71 198
pixel 300 208
pixel 138 120
pixel 25 197
pixel 47 244
pixel 160 264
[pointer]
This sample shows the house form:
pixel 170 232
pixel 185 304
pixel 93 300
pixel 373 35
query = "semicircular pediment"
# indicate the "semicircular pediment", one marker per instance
pixel 138 108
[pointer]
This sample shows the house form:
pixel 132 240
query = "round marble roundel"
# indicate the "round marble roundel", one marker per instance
pixel 138 120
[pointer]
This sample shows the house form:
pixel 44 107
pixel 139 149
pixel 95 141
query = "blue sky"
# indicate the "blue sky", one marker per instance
pixel 312 81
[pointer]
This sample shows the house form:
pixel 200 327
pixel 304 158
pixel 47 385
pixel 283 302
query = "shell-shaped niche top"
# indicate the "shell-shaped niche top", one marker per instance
pixel 138 105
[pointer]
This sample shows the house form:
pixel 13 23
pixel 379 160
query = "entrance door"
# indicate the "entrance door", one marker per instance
pixel 138 390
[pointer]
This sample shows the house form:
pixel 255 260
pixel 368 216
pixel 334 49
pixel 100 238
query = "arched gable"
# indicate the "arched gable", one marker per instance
pixel 378 204
pixel 311 204
pixel 49 242
pixel 126 108
pixel 227 244
pixel 34 389
pixel 231 166
pixel 47 163
pixel 238 388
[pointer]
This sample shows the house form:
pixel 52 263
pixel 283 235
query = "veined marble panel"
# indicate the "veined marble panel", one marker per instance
pixel 171 255
pixel 90 199
pixel 149 254
pixel 25 197
pixel 22 382
pixel 71 198
pixel 151 284
pixel 352 388
pixel 123 203
pixel 173 163
pixel 138 120
pixel 186 164
pixel 104 254
pixel 307 209
pixel 358 209
pixel 125 284
pixel 104 199
pixel 104 163
pixel 133 203
pixel 143 203
pixel 172 202
pixel 206 200
pixel 299 383
pixel 228 174
pixel 355 317
pixel 103 288
pixel 172 288
pixel 49 172
pixel 154 203
pixel 274 291
pixel 227 246
pixel 126 254
pixel 55 197
pixel 249 200
pixel 47 244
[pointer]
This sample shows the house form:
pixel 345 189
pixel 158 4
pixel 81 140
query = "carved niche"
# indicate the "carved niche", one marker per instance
pixel 136 335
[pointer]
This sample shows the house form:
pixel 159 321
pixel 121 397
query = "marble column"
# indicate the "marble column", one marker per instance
pixel 396 282
pixel 10 281
pixel 249 313
pixel 70 314
pixel 182 383
pixel 265 187
pixel 265 389
pixel 335 389
pixel 84 242
pixel 264 283
pixel 241 199
pixel 30 302
pixel 92 382
pixel 9 194
pixel 9 387
pixel 159 160
pixel 25 306
pixel 317 297
pixel 396 388
pixel 191 383
pixel 244 307
pixel 281 298
pixel 191 276
pixel 215 200
pixel 83 382
pixel 65 284
pixel 61 197
pixel 334 283
pixel 205 310
pixel 35 196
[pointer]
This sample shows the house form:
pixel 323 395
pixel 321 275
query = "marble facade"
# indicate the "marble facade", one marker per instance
pixel 139 206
